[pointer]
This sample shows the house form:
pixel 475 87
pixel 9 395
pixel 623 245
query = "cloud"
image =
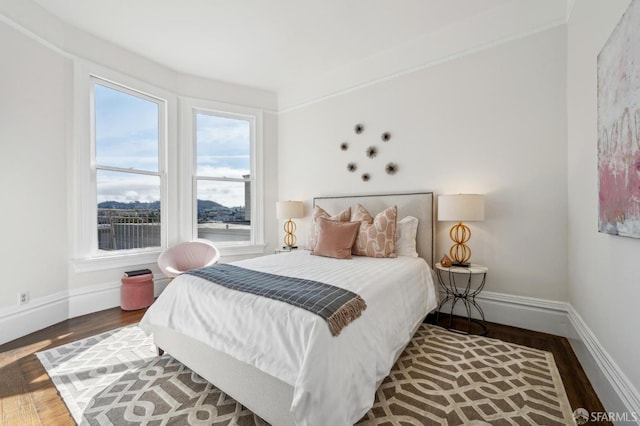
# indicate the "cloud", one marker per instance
pixel 229 194
pixel 126 187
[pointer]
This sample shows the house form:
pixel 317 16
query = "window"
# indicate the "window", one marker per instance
pixel 224 177
pixel 127 135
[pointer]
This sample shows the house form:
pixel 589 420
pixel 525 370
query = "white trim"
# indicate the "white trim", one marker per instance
pixel 187 152
pixel 547 316
pixel 35 37
pixel 116 261
pixel 83 205
pixel 627 394
pixel 19 321
pixel 314 99
pixel 613 387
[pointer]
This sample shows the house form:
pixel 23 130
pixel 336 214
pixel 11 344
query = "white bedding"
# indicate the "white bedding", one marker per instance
pixel 334 378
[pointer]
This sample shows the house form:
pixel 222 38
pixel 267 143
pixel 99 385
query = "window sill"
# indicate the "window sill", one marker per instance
pixel 240 250
pixel 101 263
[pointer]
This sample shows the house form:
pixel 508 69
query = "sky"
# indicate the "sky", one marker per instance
pixel 127 137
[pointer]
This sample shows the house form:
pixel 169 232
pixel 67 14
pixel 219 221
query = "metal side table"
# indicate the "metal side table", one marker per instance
pixel 451 281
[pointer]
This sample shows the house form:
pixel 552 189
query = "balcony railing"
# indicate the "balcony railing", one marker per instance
pixel 122 229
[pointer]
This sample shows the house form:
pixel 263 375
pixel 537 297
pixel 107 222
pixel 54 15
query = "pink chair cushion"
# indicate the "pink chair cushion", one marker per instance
pixel 186 256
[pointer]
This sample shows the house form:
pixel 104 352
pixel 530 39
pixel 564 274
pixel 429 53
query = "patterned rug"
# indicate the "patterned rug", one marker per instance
pixel 441 378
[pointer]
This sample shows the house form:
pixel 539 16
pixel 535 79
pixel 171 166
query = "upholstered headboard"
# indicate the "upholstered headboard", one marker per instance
pixel 419 204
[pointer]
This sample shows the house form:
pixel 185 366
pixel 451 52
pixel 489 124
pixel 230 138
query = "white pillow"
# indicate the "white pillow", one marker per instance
pixel 406 236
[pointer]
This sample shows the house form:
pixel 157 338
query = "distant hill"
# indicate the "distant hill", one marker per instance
pixel 155 205
pixel 208 205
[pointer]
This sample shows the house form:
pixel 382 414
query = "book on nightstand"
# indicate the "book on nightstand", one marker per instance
pixel 137 272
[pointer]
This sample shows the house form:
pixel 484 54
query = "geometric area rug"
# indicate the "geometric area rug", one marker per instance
pixel 450 378
pixel 116 378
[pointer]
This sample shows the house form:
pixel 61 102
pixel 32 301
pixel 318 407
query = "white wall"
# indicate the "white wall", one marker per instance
pixel 604 283
pixel 36 133
pixel 34 90
pixel 492 122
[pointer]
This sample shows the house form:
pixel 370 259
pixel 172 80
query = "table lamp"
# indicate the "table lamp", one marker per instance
pixel 459 208
pixel 289 210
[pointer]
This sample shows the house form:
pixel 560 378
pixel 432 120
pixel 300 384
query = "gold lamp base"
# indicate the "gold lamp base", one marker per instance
pixel 289 236
pixel 460 252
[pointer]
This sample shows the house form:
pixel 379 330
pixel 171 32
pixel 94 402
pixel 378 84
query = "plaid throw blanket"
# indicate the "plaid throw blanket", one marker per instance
pixel 337 306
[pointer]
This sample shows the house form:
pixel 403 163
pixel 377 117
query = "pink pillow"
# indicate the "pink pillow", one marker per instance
pixel 319 212
pixel 377 236
pixel 335 239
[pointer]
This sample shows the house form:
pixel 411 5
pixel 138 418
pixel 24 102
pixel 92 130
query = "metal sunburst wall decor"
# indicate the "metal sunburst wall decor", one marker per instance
pixel 372 151
pixel 390 168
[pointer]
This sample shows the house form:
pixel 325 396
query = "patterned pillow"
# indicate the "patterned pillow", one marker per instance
pixel 318 212
pixel 335 239
pixel 377 236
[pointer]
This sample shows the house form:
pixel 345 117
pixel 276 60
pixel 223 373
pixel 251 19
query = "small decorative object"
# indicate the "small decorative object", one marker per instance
pixel 366 177
pixel 385 136
pixel 446 261
pixel 391 168
pixel 344 146
pixel 352 167
pixel 358 128
pixel 372 151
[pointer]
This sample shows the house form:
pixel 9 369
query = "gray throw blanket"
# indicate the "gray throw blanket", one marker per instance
pixel 336 305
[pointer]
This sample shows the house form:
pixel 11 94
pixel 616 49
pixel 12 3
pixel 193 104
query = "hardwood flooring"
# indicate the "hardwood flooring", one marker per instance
pixel 28 397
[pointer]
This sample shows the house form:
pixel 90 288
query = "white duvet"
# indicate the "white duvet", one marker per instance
pixel 334 378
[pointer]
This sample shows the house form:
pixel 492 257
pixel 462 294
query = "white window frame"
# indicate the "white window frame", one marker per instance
pixel 82 180
pixel 190 107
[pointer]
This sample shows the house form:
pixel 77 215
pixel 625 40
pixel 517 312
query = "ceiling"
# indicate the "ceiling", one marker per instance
pixel 273 44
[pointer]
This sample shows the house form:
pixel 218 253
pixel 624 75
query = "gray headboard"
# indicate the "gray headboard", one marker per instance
pixel 418 204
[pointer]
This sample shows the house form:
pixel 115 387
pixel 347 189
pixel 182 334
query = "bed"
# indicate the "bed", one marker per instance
pixel 282 362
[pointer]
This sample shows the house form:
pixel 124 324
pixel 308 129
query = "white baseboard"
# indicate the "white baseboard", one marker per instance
pixel 542 315
pixel 18 321
pixel 613 387
pixel 616 392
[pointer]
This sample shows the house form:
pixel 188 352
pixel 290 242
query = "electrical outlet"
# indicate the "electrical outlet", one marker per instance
pixel 24 298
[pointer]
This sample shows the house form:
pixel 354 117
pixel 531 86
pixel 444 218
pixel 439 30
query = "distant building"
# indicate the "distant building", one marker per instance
pixel 247 198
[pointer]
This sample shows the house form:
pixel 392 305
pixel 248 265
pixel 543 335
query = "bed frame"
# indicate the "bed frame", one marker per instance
pixel 263 394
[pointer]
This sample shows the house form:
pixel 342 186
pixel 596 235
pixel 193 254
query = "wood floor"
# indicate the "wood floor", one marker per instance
pixel 28 397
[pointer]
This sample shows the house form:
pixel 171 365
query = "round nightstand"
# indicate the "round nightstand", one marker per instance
pixel 462 284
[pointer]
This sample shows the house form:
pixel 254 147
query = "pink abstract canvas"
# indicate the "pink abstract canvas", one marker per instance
pixel 619 128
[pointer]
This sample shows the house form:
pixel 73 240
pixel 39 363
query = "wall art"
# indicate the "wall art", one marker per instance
pixel 619 128
pixel 372 151
pixel 391 168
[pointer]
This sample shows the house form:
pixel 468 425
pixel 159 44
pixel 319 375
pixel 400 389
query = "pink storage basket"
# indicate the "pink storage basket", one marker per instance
pixel 136 292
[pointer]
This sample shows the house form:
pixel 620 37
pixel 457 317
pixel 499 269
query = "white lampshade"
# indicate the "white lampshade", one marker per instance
pixel 461 207
pixel 289 209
